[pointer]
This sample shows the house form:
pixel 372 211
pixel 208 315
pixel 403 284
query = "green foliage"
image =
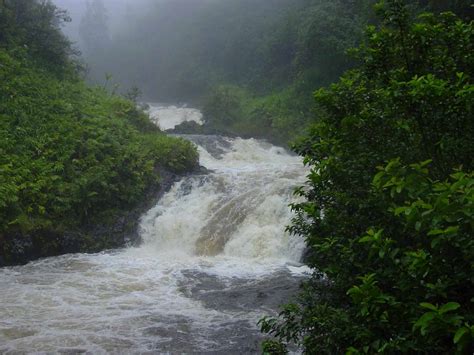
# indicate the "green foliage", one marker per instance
pixel 391 237
pixel 225 105
pixel 235 111
pixel 462 8
pixel 69 151
pixel 325 30
pixel 304 50
pixel 34 27
pixel 270 347
pixel 259 68
pixel 69 154
pixel 133 94
pixel 275 52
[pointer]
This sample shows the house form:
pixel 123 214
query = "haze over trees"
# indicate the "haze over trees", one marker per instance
pixel 94 29
pixel 256 63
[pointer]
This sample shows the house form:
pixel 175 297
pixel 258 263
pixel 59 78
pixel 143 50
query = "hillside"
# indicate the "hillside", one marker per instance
pixel 71 155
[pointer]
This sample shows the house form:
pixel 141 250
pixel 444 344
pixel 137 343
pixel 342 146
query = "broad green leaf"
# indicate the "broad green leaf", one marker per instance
pixel 459 334
pixel 429 306
pixel 448 307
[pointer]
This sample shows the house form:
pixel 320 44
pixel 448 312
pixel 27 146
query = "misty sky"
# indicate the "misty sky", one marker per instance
pixel 117 11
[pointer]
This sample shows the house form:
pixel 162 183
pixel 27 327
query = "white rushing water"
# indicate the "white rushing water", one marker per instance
pixel 168 117
pixel 215 258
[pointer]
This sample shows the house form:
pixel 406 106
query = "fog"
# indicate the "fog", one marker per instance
pixel 180 50
pixel 176 49
pixel 117 12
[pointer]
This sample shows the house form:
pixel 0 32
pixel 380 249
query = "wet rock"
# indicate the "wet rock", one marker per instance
pixel 265 294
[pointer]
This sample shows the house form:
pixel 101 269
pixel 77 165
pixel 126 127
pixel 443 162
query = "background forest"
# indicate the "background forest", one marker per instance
pixel 250 65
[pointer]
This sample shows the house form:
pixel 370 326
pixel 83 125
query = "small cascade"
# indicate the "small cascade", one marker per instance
pixel 240 208
pixel 168 117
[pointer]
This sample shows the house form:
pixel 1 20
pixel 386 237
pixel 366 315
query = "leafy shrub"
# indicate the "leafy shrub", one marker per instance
pixel 270 347
pixel 70 154
pixel 391 237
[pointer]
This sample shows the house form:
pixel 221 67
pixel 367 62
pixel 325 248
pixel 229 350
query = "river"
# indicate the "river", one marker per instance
pixel 215 258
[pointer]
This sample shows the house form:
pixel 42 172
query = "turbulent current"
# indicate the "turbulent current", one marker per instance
pixel 214 259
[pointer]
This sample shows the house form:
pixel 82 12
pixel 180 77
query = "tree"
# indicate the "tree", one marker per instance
pixel 388 210
pixel 35 25
pixel 463 8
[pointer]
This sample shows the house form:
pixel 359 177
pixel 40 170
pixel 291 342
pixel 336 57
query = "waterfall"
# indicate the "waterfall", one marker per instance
pixel 240 208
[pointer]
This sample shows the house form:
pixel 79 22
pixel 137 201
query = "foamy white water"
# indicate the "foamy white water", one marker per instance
pixel 215 258
pixel 168 117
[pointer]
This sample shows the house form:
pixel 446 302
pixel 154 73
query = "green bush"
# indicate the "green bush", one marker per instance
pixel 390 237
pixel 279 117
pixel 270 347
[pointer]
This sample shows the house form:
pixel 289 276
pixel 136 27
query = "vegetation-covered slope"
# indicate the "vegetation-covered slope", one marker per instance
pixel 251 65
pixel 70 155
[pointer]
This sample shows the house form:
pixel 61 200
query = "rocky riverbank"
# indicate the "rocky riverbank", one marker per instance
pixel 119 229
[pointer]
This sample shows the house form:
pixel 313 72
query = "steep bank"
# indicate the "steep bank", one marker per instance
pixel 74 160
pixel 118 230
pixel 78 165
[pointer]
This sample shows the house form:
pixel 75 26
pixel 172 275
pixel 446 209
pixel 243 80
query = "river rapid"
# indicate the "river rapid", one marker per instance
pixel 215 258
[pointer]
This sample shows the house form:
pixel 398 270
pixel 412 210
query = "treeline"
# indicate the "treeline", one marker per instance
pixel 250 65
pixel 389 207
pixel 303 50
pixel 180 49
pixel 70 155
